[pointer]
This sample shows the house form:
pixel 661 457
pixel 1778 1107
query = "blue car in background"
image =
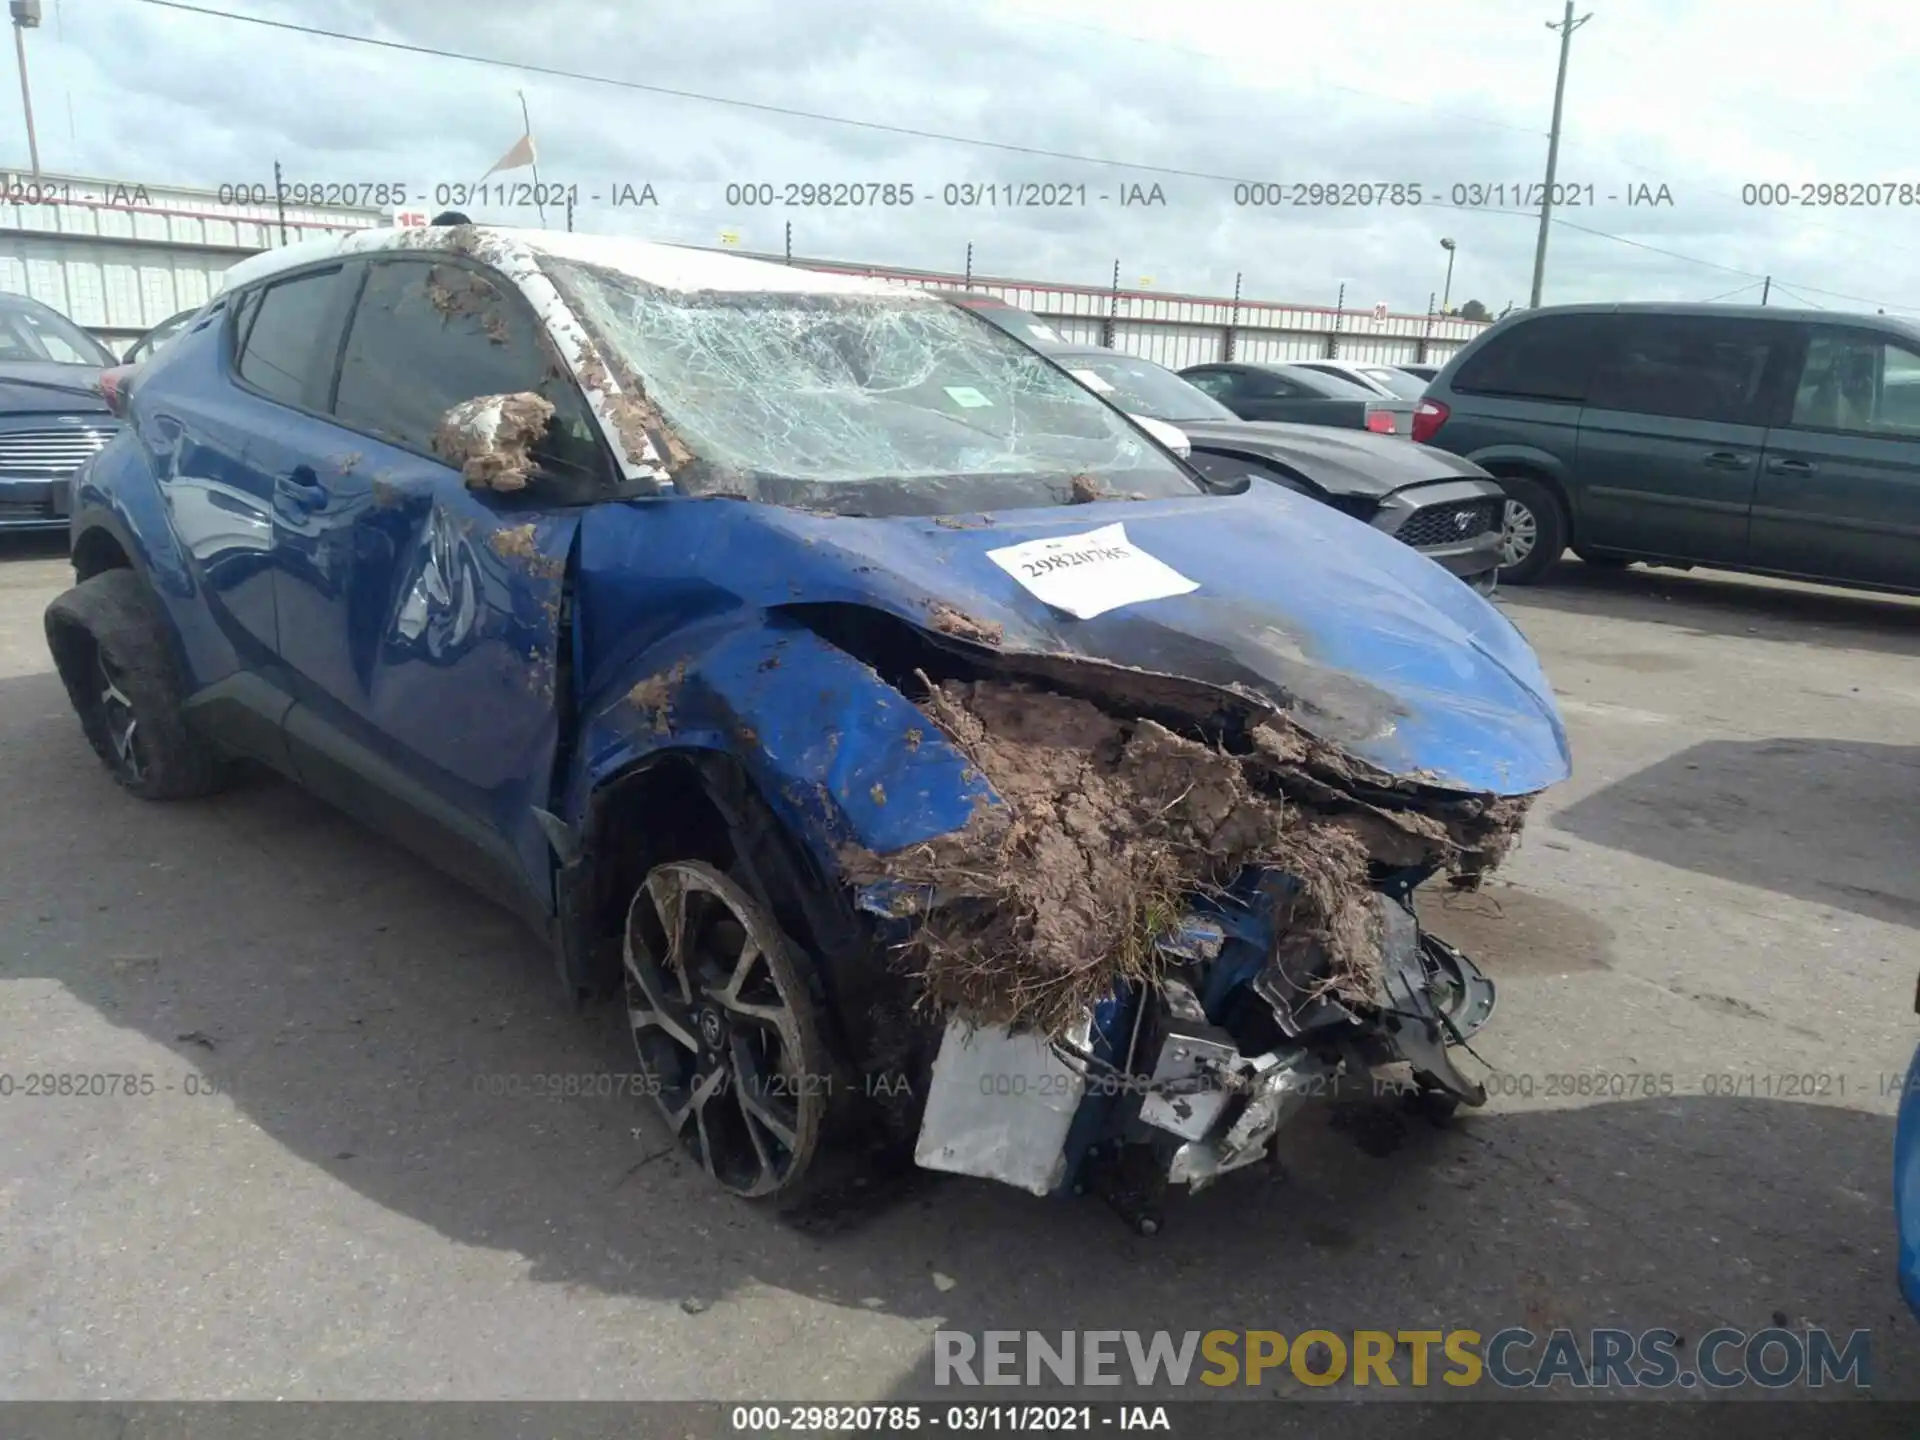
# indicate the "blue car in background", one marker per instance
pixel 928 759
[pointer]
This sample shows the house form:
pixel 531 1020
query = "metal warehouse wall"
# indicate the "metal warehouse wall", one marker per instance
pixel 119 258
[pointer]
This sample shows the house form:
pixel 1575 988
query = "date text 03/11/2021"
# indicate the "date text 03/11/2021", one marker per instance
pixel 505 194
pixel 1461 195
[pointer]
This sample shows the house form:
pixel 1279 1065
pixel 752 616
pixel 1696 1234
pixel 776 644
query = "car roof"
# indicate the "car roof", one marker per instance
pixel 671 267
pixel 1899 324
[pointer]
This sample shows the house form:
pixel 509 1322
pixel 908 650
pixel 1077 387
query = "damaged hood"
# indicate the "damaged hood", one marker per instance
pixel 1340 462
pixel 1363 642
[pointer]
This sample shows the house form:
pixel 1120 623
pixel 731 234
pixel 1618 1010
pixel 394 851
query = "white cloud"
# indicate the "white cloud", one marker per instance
pixel 1699 97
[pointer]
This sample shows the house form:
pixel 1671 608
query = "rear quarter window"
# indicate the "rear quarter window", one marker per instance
pixel 288 347
pixel 1549 358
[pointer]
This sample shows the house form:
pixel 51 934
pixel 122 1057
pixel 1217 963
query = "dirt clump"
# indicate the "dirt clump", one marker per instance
pixel 1041 904
pixel 1084 490
pixel 518 543
pixel 634 417
pixel 1109 824
pixel 656 695
pixel 949 621
pixel 492 438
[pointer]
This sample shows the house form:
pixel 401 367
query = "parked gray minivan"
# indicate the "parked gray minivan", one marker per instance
pixel 1780 442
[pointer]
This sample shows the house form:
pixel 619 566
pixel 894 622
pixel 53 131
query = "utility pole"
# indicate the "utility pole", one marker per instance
pixel 1766 289
pixel 1566 27
pixel 280 199
pixel 26 16
pixel 1233 324
pixel 1447 293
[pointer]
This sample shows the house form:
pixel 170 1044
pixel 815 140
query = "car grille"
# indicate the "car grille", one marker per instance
pixel 1448 524
pixel 38 454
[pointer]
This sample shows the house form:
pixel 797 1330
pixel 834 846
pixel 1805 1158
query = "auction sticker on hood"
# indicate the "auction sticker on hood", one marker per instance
pixel 1089 574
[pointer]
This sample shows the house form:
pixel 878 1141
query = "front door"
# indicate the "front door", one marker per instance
pixel 1839 495
pixel 419 617
pixel 1670 439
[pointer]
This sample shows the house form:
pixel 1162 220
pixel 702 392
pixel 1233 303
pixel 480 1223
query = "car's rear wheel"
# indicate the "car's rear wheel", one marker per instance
pixel 1533 530
pixel 111 645
pixel 725 1032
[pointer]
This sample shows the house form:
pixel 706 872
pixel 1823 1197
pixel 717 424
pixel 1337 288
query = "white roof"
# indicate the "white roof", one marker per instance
pixel 673 267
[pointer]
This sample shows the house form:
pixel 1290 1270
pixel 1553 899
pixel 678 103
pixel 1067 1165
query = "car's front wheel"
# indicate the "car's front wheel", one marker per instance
pixel 1533 530
pixel 110 643
pixel 725 1032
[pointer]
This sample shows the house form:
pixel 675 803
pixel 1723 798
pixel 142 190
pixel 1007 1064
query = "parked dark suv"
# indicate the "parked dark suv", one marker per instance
pixel 1780 442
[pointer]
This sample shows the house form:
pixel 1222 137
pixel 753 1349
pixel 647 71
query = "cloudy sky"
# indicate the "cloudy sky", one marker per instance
pixel 1701 98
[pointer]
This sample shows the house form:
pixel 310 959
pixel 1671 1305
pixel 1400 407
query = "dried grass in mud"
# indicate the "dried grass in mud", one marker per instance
pixel 1041 904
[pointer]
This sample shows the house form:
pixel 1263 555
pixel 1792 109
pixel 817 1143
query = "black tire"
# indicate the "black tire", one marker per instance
pixel 1542 510
pixel 113 648
pixel 746 1082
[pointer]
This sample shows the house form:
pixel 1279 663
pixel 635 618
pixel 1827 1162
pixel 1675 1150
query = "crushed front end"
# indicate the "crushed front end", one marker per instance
pixel 1260 944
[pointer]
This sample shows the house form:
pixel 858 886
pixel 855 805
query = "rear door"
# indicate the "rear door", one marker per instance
pixel 420 618
pixel 257 437
pixel 1672 432
pixel 1839 490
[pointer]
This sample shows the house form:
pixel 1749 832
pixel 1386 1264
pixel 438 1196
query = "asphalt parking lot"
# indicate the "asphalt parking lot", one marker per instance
pixel 1724 895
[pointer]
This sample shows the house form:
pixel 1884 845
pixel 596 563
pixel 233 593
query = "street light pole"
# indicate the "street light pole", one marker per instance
pixel 1566 27
pixel 1447 245
pixel 26 16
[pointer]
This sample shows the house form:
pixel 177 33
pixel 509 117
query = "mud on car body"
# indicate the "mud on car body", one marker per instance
pixel 928 762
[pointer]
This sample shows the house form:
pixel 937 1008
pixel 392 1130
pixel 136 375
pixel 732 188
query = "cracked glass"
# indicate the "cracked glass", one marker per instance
pixel 862 404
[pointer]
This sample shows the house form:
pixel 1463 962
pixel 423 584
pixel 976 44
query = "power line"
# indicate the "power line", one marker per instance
pixel 1728 295
pixel 1810 304
pixel 789 112
pixel 555 72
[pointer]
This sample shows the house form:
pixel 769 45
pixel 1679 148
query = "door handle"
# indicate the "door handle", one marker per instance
pixel 302 486
pixel 1726 460
pixel 1779 466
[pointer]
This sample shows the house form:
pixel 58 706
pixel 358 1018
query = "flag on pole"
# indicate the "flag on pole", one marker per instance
pixel 521 154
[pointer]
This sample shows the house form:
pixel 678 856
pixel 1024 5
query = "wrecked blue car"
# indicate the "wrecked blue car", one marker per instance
pixel 930 763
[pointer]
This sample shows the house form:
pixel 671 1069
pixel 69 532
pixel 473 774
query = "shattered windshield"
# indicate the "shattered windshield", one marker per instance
pixel 870 404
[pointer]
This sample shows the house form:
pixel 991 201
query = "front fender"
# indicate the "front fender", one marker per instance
pixel 839 754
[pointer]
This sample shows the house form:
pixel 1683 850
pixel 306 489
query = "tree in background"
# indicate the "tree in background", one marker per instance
pixel 1474 310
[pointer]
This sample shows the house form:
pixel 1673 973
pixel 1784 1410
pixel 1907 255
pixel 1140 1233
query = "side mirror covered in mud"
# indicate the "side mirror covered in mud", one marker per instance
pixel 517 443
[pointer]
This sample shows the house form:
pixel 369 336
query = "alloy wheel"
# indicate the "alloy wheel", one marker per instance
pixel 116 715
pixel 722 1028
pixel 1519 532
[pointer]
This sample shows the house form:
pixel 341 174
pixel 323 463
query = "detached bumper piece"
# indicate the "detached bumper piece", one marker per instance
pixel 1194 1078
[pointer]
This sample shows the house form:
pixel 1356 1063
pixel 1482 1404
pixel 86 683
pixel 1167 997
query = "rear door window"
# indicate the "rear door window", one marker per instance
pixel 1858 383
pixel 1265 385
pixel 427 335
pixel 1551 357
pixel 1689 368
pixel 1220 384
pixel 288 348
